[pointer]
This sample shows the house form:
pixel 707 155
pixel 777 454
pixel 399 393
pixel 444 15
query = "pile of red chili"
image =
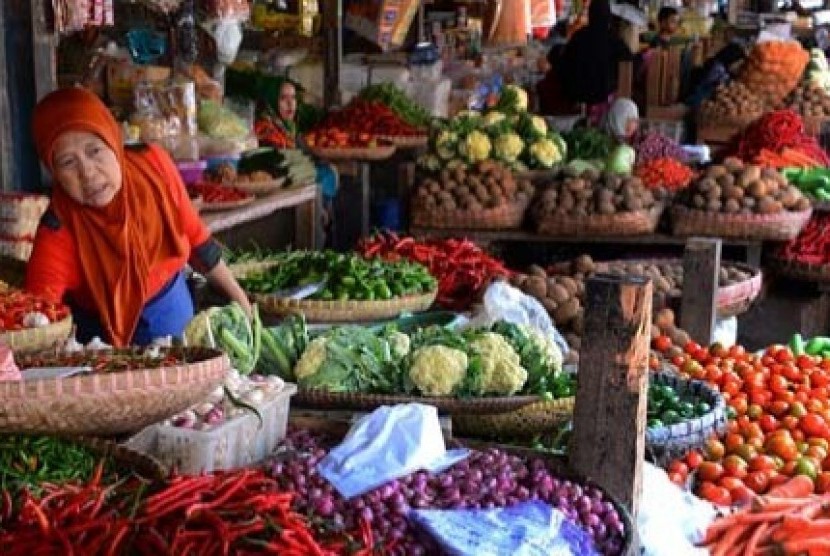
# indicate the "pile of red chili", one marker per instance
pixel 241 512
pixel 462 268
pixel 780 134
pixel 812 246
pixel 665 172
pixel 371 117
pixel 215 193
pixel 16 304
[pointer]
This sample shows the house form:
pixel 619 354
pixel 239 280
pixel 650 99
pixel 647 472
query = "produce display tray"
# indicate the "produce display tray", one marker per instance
pixel 321 399
pixel 783 226
pixel 624 223
pixel 525 422
pixel 316 310
pixel 260 188
pixel 109 403
pixel 36 339
pixel 506 217
pixel 211 207
pixel 354 153
pixel 406 141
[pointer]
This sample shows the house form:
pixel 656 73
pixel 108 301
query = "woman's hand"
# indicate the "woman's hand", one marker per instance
pixel 220 277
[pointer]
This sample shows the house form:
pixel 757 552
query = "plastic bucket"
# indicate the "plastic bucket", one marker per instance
pixel 191 172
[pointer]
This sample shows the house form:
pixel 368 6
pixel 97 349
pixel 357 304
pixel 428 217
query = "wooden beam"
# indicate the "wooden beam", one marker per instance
pixel 332 24
pixel 608 443
pixel 6 146
pixel 44 49
pixel 701 267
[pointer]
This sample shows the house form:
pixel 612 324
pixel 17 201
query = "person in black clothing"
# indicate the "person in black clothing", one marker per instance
pixel 668 23
pixel 589 65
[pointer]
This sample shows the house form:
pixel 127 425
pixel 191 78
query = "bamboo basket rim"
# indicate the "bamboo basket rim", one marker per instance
pixel 260 188
pixel 406 141
pixel 507 216
pixel 381 152
pixel 318 310
pixel 640 222
pixel 36 339
pixel 781 226
pixel 215 207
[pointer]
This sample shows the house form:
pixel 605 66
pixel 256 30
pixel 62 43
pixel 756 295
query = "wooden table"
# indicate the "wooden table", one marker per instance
pixel 753 248
pixel 302 199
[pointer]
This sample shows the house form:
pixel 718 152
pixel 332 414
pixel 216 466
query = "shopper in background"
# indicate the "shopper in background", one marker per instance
pixel 120 228
pixel 668 24
pixel 622 120
pixel 589 68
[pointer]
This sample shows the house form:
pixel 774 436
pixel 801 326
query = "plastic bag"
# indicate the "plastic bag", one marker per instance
pixel 671 521
pixel 227 33
pixel 390 442
pixel 219 121
pixel 527 529
pixel 504 302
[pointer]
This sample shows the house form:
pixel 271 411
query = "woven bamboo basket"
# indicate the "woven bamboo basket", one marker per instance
pixel 240 270
pixel 126 458
pixel 500 218
pixel 354 153
pixel 801 271
pixel 671 441
pixel 783 226
pixel 260 188
pixel 110 403
pixel 621 223
pixel 316 310
pixel 537 175
pixel 30 340
pixel 215 207
pixel 355 401
pixel 532 419
pixel 406 142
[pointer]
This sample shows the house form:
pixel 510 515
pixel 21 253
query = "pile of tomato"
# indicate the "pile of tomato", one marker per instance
pixel 212 193
pixel 337 138
pixel 16 304
pixel 779 420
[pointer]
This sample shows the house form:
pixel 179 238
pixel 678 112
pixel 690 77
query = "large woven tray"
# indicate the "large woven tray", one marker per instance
pixel 36 339
pixel 214 207
pixel 260 188
pixel 500 218
pixel 525 422
pixel 406 141
pixel 321 399
pixel 240 270
pixel 621 223
pixel 316 310
pixel 354 153
pixel 783 226
pixel 801 271
pixel 110 403
pixel 668 442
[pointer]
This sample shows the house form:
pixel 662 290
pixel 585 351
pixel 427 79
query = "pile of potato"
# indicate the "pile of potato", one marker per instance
pixel 810 101
pixel 733 101
pixel 667 276
pixel 486 185
pixel 733 187
pixel 593 193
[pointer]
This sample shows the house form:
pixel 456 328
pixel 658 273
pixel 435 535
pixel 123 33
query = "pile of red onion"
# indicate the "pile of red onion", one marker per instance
pixel 488 479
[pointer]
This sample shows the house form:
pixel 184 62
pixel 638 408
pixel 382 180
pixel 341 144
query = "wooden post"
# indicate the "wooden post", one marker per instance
pixel 332 18
pixel 6 146
pixel 701 267
pixel 44 45
pixel 610 413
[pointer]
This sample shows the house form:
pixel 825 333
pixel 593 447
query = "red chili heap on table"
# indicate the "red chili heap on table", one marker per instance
pixel 359 123
pixel 15 305
pixel 665 172
pixel 812 246
pixel 242 512
pixel 778 140
pixel 214 193
pixel 462 268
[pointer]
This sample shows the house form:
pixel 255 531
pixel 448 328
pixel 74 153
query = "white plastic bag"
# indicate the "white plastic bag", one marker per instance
pixel 504 302
pixel 390 442
pixel 726 331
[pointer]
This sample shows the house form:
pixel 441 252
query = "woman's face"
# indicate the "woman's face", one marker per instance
pixel 86 167
pixel 287 103
pixel 631 127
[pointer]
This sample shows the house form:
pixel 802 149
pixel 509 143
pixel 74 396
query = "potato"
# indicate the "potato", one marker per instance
pixel 550 306
pixel 713 205
pixel 679 337
pixel 757 189
pixel 698 201
pixel 558 293
pixel 536 270
pixel 566 312
pixel 726 181
pixel 664 318
pixel 569 284
pixel 749 175
pixel 803 204
pixel 606 208
pixel 733 164
pixel 584 263
pixel 769 206
pixel 537 287
pixel 715 171
pixel 732 206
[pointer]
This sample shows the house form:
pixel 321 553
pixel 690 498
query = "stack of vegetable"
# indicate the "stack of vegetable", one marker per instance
pixel 505 360
pixel 667 407
pixel 814 182
pixel 399 102
pixel 100 359
pixel 732 102
pixel 774 68
pixel 652 146
pixel 810 101
pixel 346 276
pixel 462 268
pixel 818 71
pixel 489 478
pixel 734 187
pixel 484 185
pixel 360 122
pixel 587 143
pixel 291 164
pixel 507 133
pixel 590 193
pixel 217 194
pixel 812 246
pixel 664 173
pixel 779 417
pixel 778 140
pixel 20 310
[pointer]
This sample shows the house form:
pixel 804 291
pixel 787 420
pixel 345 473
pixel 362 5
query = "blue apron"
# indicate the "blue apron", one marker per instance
pixel 166 314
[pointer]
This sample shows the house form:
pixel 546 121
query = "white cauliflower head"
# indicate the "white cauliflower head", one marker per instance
pixel 493 118
pixel 520 101
pixel 438 370
pixel 546 153
pixel 502 371
pixel 508 147
pixel 476 146
pixel 539 125
pixel 552 355
pixel 399 343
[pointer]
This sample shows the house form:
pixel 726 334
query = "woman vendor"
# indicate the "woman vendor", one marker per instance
pixel 119 230
pixel 622 122
pixel 278 128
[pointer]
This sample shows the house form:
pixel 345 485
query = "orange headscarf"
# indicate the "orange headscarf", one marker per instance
pixel 118 244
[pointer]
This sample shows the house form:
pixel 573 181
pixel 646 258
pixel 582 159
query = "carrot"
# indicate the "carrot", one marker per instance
pixel 774 503
pixel 799 486
pixel 812 547
pixel 755 538
pixel 731 539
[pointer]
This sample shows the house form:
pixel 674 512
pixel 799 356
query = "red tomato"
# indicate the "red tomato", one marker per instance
pixel 758 481
pixel 678 479
pixel 714 449
pixel 768 423
pixel 735 466
pixel 823 482
pixel 781 444
pixel 762 463
pixel 677 466
pixel 710 471
pixel 694 459
pixel 741 495
pixel 814 425
pixel 730 483
pixel 662 343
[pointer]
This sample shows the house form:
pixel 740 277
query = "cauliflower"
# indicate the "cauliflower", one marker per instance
pixel 502 371
pixel 430 161
pixel 508 147
pixel 539 125
pixel 438 370
pixel 399 344
pixel 445 144
pixel 312 359
pixel 513 99
pixel 493 118
pixel 475 147
pixel 551 354
pixel 545 153
pixel 468 114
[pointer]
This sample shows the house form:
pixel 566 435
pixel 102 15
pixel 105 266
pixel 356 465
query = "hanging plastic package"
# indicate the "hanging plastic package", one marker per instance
pixel 390 442
pixel 228 36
